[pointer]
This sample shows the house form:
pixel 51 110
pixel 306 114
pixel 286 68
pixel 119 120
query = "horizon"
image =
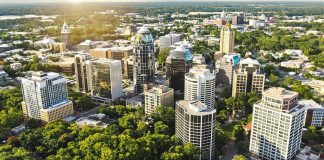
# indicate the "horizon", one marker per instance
pixel 146 1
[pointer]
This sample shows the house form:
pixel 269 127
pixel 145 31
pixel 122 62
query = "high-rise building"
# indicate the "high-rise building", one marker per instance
pixel 66 35
pixel 143 59
pixel 227 37
pixel 314 115
pixel 45 97
pixel 223 15
pixel 225 67
pixel 81 71
pixel 200 85
pixel 105 79
pixel 248 78
pixel 238 19
pixel 168 40
pixel 196 123
pixel 158 96
pixel 178 64
pixel 117 53
pixel 128 67
pixel 277 125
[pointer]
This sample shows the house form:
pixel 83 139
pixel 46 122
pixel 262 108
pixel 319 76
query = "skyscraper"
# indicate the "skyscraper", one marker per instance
pixel 45 97
pixel 66 35
pixel 81 71
pixel 158 96
pixel 143 59
pixel 227 37
pixel 200 85
pixel 195 123
pixel 105 79
pixel 248 78
pixel 277 125
pixel 178 64
pixel 225 67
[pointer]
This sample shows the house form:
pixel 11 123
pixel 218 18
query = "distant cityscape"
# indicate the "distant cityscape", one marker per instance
pixel 215 81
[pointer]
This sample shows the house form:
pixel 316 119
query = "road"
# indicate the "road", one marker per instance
pixel 88 113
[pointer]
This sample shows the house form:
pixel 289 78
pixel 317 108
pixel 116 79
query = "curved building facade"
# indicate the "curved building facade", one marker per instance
pixel 143 68
pixel 195 123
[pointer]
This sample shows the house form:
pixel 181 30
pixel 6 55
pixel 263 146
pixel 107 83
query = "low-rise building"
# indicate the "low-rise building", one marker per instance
pixel 117 53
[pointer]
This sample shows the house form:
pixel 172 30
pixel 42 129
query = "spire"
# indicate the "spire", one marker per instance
pixel 228 25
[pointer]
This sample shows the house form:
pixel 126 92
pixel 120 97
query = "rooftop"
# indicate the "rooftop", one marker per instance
pixel 280 93
pixel 196 107
pixel 160 89
pixel 249 61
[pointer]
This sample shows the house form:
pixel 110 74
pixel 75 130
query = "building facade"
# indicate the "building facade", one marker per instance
pixel 314 115
pixel 200 85
pixel 177 65
pixel 105 79
pixel 277 125
pixel 80 71
pixel 196 123
pixel 158 96
pixel 117 53
pixel 227 37
pixel 66 35
pixel 45 97
pixel 248 78
pixel 143 51
pixel 225 67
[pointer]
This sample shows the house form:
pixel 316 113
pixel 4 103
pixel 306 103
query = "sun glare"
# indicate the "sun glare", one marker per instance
pixel 75 1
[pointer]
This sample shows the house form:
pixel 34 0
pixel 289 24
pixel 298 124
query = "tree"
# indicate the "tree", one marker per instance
pixel 273 79
pixel 238 132
pixel 235 103
pixel 164 53
pixel 238 157
pixel 128 121
pixel 165 115
pixel 222 116
pixel 161 128
pixel 33 123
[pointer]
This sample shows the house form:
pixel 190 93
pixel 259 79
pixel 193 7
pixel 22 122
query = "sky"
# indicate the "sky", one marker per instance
pixel 78 1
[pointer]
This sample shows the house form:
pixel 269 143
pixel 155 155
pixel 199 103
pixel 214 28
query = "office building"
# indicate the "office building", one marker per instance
pixel 128 64
pixel 314 115
pixel 238 19
pixel 168 40
pixel 45 97
pixel 248 78
pixel 277 125
pixel 105 79
pixel 227 37
pixel 66 35
pixel 225 67
pixel 158 96
pixel 80 71
pixel 117 53
pixel 177 65
pixel 143 51
pixel 200 85
pixel 195 123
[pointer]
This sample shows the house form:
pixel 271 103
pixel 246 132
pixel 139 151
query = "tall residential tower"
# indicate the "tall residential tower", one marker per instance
pixel 277 125
pixel 248 78
pixel 200 85
pixel 196 123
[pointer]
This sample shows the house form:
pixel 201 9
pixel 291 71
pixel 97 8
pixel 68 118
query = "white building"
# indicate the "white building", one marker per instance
pixel 105 79
pixel 168 40
pixel 200 85
pixel 158 96
pixel 277 125
pixel 314 113
pixel 45 97
pixel 196 123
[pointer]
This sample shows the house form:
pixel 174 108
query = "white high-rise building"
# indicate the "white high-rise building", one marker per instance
pixel 66 35
pixel 168 40
pixel 196 123
pixel 158 96
pixel 200 85
pixel 277 125
pixel 105 79
pixel 143 68
pixel 45 97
